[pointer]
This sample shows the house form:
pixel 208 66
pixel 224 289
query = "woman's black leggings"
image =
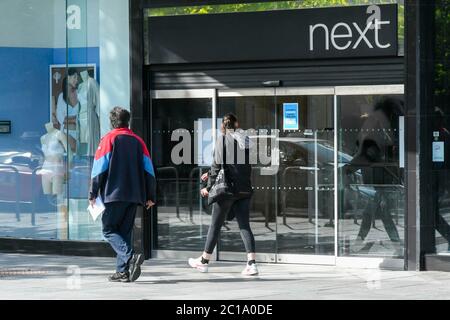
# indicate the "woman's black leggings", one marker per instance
pixel 220 211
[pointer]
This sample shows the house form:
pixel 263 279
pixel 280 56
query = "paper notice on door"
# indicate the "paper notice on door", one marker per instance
pixel 97 209
pixel 290 116
pixel 438 151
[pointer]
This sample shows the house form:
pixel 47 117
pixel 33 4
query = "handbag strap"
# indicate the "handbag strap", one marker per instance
pixel 224 153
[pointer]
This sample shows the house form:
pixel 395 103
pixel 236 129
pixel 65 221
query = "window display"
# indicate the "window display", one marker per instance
pixel 54 147
pixel 77 107
pixel 89 113
pixel 57 115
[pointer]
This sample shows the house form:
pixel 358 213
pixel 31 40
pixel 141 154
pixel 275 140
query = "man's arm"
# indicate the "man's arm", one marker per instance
pixel 100 168
pixel 150 185
pixel 97 184
pixel 150 179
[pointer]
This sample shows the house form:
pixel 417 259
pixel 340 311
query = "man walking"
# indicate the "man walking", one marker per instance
pixel 123 176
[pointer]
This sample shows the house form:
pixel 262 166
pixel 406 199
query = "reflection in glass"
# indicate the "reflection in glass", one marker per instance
pixel 440 29
pixel 306 178
pixel 80 108
pixel 371 184
pixel 55 112
pixel 33 156
pixel 292 208
pixel 53 172
pixel 254 113
pixel 182 215
pixel 83 127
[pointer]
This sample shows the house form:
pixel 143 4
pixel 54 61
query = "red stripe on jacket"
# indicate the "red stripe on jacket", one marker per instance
pixel 106 143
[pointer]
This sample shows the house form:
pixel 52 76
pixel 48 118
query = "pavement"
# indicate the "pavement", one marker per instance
pixel 48 277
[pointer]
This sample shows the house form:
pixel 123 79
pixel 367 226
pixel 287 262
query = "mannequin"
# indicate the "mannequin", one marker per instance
pixel 54 145
pixel 89 122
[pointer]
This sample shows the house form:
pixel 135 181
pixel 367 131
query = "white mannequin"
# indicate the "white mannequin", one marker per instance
pixel 89 122
pixel 54 145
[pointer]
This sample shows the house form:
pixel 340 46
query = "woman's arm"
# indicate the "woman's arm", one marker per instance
pixel 63 139
pixel 216 165
pixel 60 110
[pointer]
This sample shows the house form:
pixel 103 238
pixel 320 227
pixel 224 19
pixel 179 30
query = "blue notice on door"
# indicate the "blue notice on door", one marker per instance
pixel 290 116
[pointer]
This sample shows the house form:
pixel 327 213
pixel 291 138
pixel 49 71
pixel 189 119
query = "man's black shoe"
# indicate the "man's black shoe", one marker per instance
pixel 135 266
pixel 120 277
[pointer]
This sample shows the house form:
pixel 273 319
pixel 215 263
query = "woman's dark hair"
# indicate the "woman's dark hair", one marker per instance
pixel 229 122
pixel 65 85
pixel 391 106
pixel 119 118
pixel 71 71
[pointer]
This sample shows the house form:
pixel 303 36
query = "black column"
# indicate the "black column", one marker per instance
pixel 411 144
pixel 420 238
pixel 425 97
pixel 138 116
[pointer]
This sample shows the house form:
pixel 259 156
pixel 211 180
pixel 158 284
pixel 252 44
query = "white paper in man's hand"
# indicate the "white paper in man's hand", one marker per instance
pixel 97 209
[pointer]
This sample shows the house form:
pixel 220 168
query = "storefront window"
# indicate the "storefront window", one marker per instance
pixel 183 216
pixel 440 135
pixel 371 184
pixel 64 68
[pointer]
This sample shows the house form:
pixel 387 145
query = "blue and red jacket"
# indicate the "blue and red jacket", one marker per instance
pixel 122 169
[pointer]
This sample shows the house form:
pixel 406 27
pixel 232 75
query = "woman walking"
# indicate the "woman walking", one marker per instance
pixel 232 149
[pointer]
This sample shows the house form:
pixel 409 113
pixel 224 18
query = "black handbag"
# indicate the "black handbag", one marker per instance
pixel 223 186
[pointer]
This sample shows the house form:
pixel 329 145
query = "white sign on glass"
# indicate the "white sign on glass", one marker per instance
pixel 438 151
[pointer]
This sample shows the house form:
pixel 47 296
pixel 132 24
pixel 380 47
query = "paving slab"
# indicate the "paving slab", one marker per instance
pixel 49 277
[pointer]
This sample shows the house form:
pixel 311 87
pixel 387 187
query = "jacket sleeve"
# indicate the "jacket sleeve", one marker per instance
pixel 100 168
pixel 216 165
pixel 150 179
pixel 97 184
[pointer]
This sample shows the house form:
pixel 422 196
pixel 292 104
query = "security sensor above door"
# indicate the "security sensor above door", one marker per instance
pixel 273 83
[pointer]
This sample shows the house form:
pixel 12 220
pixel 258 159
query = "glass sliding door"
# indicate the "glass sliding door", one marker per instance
pixel 182 216
pixel 254 109
pixel 292 212
pixel 327 172
pixel 305 184
pixel 371 177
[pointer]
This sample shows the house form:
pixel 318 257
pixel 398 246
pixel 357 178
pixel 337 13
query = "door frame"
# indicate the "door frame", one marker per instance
pixel 335 91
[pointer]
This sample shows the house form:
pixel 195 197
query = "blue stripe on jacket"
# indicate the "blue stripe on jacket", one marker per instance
pixel 100 165
pixel 148 166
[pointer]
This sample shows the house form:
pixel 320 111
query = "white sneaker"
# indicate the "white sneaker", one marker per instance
pixel 197 264
pixel 250 270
